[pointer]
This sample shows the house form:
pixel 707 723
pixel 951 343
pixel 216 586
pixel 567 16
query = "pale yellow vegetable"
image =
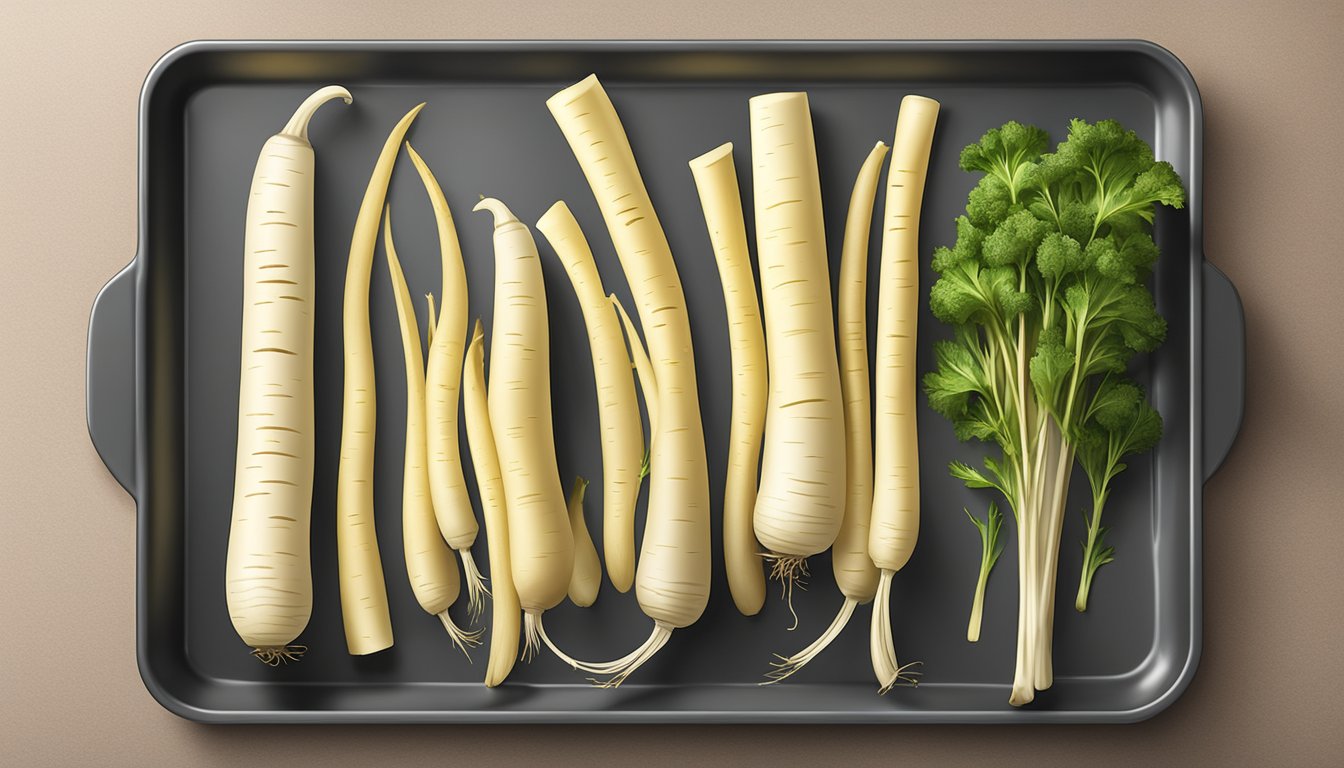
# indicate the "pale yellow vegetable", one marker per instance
pixel 452 506
pixel 618 413
pixel 429 560
pixel 587 576
pixel 716 181
pixel 541 545
pixel 648 384
pixel 368 625
pixel 673 575
pixel 430 314
pixel 506 620
pixel 855 573
pixel 895 519
pixel 268 572
pixel 801 499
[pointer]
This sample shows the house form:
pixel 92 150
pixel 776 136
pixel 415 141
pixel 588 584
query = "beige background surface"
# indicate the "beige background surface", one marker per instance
pixel 1268 689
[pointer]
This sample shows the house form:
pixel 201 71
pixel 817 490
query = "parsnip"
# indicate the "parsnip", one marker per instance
pixel 368 626
pixel 801 500
pixel 541 545
pixel 895 519
pixel 429 561
pixel 855 574
pixel 716 181
pixel 268 572
pixel 505 623
pixel 673 576
pixel 587 576
pixel 452 506
pixel 618 412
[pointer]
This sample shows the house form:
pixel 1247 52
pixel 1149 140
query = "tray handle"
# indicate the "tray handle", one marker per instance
pixel 1224 367
pixel 110 376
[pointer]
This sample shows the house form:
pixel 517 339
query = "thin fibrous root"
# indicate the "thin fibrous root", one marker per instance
pixel 787 665
pixel 790 571
pixel 476 589
pixel 274 656
pixel 531 633
pixel 904 678
pixel 889 671
pixel 461 638
pixel 619 669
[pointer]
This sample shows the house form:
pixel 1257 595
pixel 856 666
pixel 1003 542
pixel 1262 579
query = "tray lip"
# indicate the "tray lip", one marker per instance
pixel 1155 53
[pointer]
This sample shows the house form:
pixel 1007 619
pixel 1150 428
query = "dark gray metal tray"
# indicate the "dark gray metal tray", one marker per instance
pixel 163 373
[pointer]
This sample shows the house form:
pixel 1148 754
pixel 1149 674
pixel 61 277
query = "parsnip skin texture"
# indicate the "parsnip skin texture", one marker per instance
pixel 429 561
pixel 800 503
pixel 587 576
pixel 506 620
pixel 541 545
pixel 368 625
pixel 721 201
pixel 618 411
pixel 673 577
pixel 268 572
pixel 894 525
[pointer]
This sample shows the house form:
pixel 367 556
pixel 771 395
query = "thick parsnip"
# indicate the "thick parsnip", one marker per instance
pixel 541 546
pixel 506 619
pixel 855 573
pixel 895 519
pixel 716 182
pixel 801 500
pixel 368 625
pixel 268 572
pixel 618 412
pixel 452 506
pixel 587 576
pixel 429 560
pixel 673 576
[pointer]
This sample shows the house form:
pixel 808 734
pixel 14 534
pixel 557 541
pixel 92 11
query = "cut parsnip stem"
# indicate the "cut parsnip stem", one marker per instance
pixel 368 625
pixel 618 411
pixel 587 576
pixel 506 621
pixel 268 571
pixel 801 500
pixel 541 545
pixel 855 573
pixel 895 518
pixel 716 181
pixel 673 576
pixel 429 560
pixel 448 487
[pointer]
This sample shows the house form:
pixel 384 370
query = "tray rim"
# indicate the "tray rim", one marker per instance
pixel 1153 52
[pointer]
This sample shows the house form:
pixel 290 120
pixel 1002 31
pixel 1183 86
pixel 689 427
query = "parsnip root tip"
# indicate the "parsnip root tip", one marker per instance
pixel 477 591
pixel 790 571
pixel 274 656
pixel 463 639
pixel 532 634
pixel 785 666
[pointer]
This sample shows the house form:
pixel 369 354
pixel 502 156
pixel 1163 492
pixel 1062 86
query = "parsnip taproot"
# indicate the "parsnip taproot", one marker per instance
pixel 673 575
pixel 801 499
pixel 268 571
pixel 618 412
pixel 364 612
pixel 721 201
pixel 894 526
pixel 506 618
pixel 429 560
pixel 448 487
pixel 587 576
pixel 541 545
pixel 855 574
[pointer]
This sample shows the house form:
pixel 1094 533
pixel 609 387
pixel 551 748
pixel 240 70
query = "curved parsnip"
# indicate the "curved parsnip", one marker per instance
pixel 268 572
pixel 368 626
pixel 895 519
pixel 448 487
pixel 505 622
pixel 618 412
pixel 716 181
pixel 855 573
pixel 801 499
pixel 587 576
pixel 673 577
pixel 541 546
pixel 429 561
